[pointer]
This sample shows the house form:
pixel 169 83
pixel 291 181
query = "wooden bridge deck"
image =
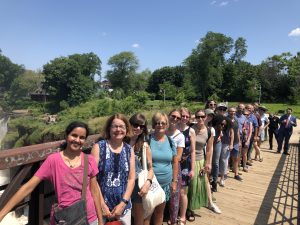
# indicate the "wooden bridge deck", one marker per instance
pixel 268 194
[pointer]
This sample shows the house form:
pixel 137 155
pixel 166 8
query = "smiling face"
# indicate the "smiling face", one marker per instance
pixel 174 118
pixel 185 116
pixel 76 138
pixel 118 129
pixel 200 117
pixel 231 112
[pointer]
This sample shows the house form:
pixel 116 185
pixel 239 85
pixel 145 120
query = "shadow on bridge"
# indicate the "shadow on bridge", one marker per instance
pixel 280 204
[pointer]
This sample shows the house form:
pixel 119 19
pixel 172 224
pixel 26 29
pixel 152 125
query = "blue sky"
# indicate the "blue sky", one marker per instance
pixel 159 32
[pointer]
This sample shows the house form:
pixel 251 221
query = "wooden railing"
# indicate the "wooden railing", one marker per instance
pixel 26 161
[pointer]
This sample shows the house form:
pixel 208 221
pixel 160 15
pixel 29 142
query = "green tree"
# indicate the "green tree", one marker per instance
pixel 206 62
pixel 26 83
pixel 8 72
pixel 124 66
pixel 140 80
pixel 72 78
pixel 173 75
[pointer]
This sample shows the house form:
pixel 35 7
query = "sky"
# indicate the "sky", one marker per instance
pixel 159 32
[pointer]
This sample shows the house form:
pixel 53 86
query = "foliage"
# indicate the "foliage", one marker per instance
pixel 171 75
pixel 72 78
pixel 124 66
pixel 8 72
pixel 167 90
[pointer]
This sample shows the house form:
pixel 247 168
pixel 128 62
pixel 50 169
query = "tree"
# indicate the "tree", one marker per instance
pixel 8 72
pixel 124 66
pixel 173 75
pixel 206 62
pixel 140 80
pixel 24 84
pixel 240 50
pixel 72 78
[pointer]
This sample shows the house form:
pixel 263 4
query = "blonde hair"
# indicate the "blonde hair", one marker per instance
pixel 157 116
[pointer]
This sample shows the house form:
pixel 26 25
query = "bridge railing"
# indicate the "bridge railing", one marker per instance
pixel 25 161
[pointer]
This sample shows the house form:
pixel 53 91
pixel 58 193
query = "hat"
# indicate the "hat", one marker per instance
pixel 263 108
pixel 222 104
pixel 209 111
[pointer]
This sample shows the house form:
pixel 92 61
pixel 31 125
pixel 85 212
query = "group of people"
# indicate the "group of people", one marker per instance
pixel 190 155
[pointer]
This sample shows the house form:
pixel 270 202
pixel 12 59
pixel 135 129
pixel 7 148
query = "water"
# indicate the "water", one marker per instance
pixel 3 127
pixel 5 179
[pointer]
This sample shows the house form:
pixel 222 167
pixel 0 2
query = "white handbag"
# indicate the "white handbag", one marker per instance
pixel 156 194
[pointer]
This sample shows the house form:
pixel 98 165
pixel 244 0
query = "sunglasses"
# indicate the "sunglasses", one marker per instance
pixel 184 116
pixel 198 117
pixel 135 125
pixel 175 117
pixel 222 109
pixel 160 123
pixel 211 104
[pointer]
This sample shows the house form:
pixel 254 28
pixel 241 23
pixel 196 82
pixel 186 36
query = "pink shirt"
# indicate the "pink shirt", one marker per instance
pixel 67 181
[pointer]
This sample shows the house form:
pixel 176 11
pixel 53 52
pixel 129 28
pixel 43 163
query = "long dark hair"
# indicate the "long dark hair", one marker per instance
pixel 139 119
pixel 71 127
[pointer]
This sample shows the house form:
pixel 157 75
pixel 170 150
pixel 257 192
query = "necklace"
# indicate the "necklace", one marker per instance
pixel 71 163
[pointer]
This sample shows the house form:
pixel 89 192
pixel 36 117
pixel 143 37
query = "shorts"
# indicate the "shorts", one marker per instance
pixel 234 152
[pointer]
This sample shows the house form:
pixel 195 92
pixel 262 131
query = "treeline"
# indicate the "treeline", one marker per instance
pixel 214 69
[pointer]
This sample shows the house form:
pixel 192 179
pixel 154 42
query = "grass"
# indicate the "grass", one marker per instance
pixel 33 130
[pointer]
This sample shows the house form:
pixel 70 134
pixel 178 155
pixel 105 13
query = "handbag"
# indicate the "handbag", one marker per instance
pixel 74 214
pixel 156 194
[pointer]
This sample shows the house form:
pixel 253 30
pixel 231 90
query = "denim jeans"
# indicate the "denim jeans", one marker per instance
pixel 225 153
pixel 215 160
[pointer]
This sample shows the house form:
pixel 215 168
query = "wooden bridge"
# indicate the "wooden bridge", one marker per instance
pixel 268 195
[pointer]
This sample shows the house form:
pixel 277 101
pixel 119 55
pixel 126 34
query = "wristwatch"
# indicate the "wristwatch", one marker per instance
pixel 125 201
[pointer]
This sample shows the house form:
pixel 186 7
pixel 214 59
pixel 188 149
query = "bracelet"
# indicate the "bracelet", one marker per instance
pixel 125 201
pixel 150 181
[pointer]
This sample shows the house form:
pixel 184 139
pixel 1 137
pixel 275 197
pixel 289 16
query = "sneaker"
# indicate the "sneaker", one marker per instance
pixel 238 177
pixel 225 176
pixel 214 186
pixel 213 207
pixel 222 183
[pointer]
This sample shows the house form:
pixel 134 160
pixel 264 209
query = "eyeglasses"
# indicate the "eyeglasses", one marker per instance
pixel 222 109
pixel 138 125
pixel 115 127
pixel 160 123
pixel 175 117
pixel 198 117
pixel 184 116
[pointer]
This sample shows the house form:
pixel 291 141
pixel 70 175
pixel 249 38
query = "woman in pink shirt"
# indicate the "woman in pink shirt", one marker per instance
pixel 65 171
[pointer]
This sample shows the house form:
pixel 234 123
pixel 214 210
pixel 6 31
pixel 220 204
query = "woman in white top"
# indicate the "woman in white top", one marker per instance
pixel 178 137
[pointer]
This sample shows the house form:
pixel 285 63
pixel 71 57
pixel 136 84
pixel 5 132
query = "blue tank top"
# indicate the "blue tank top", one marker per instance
pixel 113 174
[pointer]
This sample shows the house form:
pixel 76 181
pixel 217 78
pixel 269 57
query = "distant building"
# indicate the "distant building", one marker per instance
pixel 39 95
pixel 105 84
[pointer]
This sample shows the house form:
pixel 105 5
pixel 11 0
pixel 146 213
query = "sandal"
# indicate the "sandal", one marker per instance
pixel 180 221
pixel 190 216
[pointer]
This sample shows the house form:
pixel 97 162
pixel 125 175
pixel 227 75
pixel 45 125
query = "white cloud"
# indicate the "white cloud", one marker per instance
pixel 223 3
pixel 135 45
pixel 104 34
pixel 295 32
pixel 213 2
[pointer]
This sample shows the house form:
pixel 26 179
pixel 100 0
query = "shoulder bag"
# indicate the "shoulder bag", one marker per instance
pixel 156 194
pixel 74 214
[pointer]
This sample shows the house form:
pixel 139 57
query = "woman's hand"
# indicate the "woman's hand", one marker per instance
pixel 207 167
pixel 118 210
pixel 105 210
pixel 144 190
pixel 191 174
pixel 173 186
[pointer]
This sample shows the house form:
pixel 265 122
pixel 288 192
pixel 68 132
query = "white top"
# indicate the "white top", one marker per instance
pixel 178 138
